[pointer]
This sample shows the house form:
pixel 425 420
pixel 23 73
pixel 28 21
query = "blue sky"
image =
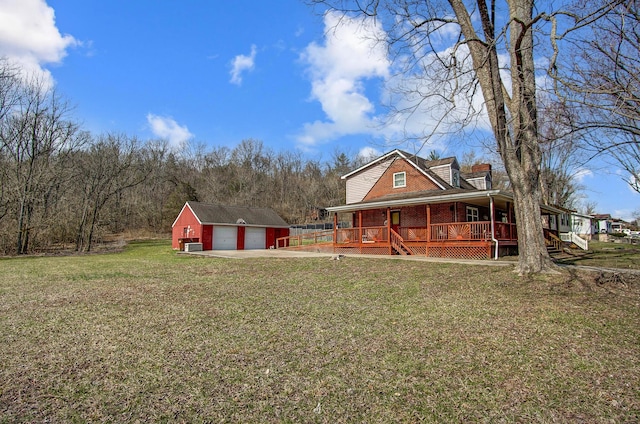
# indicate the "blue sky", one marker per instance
pixel 218 72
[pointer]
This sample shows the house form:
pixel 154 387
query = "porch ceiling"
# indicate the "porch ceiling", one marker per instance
pixel 479 198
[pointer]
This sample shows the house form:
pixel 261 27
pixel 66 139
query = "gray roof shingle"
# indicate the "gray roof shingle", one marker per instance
pixel 209 213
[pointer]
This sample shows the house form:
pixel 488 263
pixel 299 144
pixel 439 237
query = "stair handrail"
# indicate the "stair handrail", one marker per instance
pixel 553 240
pixel 579 241
pixel 574 238
pixel 397 242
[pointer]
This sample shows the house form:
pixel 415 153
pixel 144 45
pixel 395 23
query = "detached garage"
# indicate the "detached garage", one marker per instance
pixel 220 227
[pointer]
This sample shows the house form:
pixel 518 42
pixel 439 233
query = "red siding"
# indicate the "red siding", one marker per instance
pixel 207 237
pixel 241 233
pixel 187 222
pixel 185 226
pixel 273 234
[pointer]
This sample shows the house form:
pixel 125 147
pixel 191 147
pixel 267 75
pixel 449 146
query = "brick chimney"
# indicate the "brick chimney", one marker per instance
pixel 481 167
pixel 487 181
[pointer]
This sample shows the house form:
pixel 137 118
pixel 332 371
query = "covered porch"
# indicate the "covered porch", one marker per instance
pixel 455 239
pixel 465 225
pixel 469 226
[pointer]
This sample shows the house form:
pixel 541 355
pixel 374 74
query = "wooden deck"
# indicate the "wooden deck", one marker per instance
pixel 464 240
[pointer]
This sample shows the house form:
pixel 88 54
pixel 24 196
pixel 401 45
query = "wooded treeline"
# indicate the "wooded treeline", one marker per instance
pixel 78 190
pixel 61 186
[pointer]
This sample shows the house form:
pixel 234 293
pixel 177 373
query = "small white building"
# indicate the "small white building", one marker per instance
pixel 582 225
pixel 603 223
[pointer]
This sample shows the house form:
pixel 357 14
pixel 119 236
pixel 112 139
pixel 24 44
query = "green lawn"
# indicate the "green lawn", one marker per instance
pixel 612 255
pixel 149 335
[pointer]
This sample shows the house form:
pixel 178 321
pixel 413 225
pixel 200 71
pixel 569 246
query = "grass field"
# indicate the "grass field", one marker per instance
pixel 149 335
pixel 613 255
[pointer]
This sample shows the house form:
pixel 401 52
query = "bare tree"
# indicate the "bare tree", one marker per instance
pixel 563 156
pixel 36 138
pixel 599 79
pixel 491 51
pixel 626 152
pixel 111 165
pixel 10 96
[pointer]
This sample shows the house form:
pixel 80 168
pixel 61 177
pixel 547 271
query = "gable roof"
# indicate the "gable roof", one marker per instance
pixel 209 213
pixel 439 162
pixel 409 158
pixel 422 165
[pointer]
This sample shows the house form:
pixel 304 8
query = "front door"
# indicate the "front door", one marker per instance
pixel 395 221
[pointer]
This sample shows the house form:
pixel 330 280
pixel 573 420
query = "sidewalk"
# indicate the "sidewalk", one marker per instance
pixel 286 253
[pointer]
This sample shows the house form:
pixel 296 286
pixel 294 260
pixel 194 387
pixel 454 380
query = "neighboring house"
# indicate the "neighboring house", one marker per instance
pixel 618 225
pixel 603 223
pixel 573 228
pixel 583 225
pixel 403 204
pixel 561 221
pixel 220 227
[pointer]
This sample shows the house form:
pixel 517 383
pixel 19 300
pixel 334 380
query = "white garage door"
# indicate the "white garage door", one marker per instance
pixel 225 238
pixel 255 238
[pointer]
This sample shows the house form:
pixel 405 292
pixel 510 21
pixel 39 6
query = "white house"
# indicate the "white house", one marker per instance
pixel 582 225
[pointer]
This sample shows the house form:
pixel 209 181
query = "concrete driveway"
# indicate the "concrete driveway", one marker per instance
pixel 290 253
pixel 258 253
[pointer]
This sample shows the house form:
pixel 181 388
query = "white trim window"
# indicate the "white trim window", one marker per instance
pixel 473 214
pixel 399 179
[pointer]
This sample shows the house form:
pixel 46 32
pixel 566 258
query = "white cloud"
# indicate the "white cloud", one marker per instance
pixel 29 36
pixel 369 153
pixel 428 108
pixel 338 69
pixel 242 63
pixel 168 129
pixel 435 104
pixel 582 173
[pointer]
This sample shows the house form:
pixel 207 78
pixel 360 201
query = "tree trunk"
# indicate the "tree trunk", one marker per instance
pixel 513 120
pixel 532 250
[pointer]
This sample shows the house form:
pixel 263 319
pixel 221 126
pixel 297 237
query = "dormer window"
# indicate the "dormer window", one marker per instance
pixel 399 179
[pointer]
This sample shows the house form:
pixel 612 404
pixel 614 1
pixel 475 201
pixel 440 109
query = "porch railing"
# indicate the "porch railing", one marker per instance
pixel 479 230
pixel 364 235
pixel 572 237
pixel 413 233
pixel 305 239
pixel 453 231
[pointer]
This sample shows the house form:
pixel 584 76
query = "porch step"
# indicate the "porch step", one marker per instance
pixel 552 249
pixel 401 251
pixel 557 254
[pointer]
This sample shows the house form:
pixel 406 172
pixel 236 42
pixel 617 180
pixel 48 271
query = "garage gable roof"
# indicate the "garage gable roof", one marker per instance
pixel 208 213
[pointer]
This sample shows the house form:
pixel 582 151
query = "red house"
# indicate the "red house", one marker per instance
pixel 406 205
pixel 220 227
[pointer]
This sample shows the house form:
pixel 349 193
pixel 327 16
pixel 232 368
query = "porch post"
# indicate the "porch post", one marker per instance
pixel 510 219
pixel 389 229
pixel 360 231
pixel 335 229
pixel 492 214
pixel 428 229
